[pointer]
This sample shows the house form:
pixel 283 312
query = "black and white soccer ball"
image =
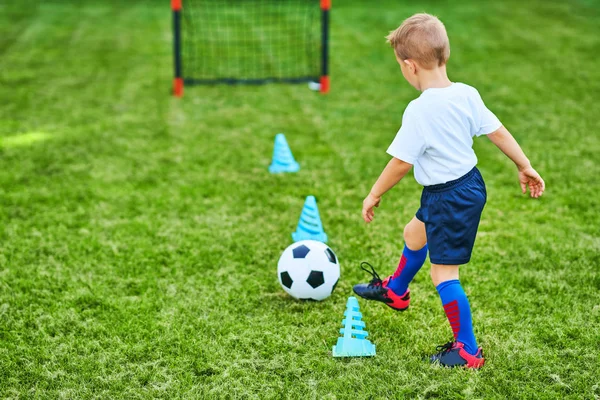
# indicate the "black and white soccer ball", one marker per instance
pixel 308 270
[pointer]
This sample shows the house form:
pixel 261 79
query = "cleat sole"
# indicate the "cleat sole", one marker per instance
pixel 371 299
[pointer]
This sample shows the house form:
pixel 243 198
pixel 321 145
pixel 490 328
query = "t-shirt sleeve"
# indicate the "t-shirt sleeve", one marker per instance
pixel 487 121
pixel 409 143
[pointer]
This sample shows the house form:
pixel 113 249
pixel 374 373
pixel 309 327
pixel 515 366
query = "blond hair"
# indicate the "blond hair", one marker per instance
pixel 422 38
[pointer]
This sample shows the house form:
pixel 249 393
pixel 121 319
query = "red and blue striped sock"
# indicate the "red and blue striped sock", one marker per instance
pixel 410 263
pixel 458 311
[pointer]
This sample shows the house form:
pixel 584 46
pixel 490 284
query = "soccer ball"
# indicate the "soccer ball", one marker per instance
pixel 308 270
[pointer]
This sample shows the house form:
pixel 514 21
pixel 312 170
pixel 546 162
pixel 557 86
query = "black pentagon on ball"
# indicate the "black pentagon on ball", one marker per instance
pixel 300 251
pixel 330 255
pixel 286 279
pixel 315 279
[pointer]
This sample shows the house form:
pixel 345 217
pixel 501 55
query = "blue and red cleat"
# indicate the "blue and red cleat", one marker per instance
pixel 453 354
pixel 378 290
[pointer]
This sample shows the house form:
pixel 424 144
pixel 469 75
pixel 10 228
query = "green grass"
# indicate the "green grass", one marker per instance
pixel 140 233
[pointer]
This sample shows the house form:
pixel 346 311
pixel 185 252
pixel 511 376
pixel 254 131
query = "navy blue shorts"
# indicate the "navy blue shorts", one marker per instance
pixel 451 213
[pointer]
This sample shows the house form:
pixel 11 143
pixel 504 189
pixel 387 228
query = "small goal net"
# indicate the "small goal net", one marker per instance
pixel 250 42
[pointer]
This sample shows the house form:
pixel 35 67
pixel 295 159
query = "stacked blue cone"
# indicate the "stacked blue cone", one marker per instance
pixel 354 343
pixel 310 226
pixel 283 159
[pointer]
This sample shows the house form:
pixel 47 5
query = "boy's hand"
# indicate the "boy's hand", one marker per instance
pixel 368 204
pixel 529 177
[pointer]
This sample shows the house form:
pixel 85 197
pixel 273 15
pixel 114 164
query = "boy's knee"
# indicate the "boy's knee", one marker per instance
pixel 407 233
pixel 443 273
pixel 414 239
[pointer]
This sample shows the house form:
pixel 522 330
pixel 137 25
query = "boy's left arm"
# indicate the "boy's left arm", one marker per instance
pixel 528 177
pixel 392 174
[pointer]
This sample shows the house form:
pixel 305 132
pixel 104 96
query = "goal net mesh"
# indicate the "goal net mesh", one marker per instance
pixel 251 41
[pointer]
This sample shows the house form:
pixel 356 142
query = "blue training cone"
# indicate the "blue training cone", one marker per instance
pixel 310 226
pixel 354 343
pixel 283 159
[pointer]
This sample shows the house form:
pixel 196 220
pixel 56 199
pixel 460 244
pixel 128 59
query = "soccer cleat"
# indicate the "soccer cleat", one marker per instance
pixel 453 354
pixel 377 290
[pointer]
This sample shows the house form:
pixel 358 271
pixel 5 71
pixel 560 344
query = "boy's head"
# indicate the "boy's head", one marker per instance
pixel 420 40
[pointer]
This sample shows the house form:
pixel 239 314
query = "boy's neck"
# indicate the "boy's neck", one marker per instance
pixel 433 78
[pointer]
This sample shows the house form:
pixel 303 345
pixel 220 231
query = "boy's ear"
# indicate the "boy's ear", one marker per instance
pixel 412 66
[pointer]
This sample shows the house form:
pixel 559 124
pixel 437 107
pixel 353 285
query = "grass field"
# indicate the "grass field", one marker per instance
pixel 140 233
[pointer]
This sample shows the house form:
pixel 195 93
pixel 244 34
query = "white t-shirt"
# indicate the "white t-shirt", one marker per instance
pixel 437 133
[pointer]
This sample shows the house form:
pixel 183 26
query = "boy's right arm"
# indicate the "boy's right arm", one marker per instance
pixel 527 175
pixel 391 175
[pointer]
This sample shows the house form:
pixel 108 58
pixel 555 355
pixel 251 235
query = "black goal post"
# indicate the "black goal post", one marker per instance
pixel 250 42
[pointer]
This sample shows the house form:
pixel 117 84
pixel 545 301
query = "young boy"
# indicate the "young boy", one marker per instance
pixel 436 138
